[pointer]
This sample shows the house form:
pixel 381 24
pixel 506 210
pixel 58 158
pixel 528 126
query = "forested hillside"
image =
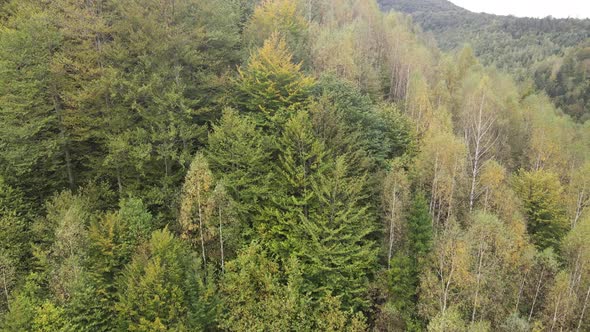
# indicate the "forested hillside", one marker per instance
pixel 540 50
pixel 280 165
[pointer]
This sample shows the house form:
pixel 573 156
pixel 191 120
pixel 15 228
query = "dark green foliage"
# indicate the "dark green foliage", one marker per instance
pixel 336 246
pixel 419 228
pixel 382 133
pixel 113 240
pixel 301 162
pixel 14 247
pixel 407 263
pixel 567 81
pixel 32 147
pixel 239 155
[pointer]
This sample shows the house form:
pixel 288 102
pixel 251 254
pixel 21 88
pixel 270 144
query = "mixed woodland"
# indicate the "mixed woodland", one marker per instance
pixel 286 165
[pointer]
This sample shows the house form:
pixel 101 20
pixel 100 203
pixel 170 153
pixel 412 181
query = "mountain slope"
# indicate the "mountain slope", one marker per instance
pixel 528 48
pixel 508 42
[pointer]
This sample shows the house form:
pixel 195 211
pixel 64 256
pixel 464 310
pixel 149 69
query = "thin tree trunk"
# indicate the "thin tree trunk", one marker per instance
pixel 448 285
pixel 583 309
pixel 119 183
pixel 221 241
pixel 62 134
pixel 476 154
pixel 579 208
pixel 201 227
pixel 69 166
pixel 555 312
pixel 392 227
pixel 6 290
pixel 407 87
pixel 452 192
pixel 520 289
pixel 481 253
pixel 536 293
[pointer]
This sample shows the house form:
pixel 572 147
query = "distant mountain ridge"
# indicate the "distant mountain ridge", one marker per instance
pixel 412 6
pixel 506 41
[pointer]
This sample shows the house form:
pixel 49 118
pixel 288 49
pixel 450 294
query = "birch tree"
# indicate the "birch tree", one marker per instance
pixel 579 194
pixel 195 211
pixel 447 267
pixel 394 200
pixel 440 166
pixel 480 135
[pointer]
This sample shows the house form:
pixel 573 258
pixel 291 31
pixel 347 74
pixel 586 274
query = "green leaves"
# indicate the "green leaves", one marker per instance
pixel 541 193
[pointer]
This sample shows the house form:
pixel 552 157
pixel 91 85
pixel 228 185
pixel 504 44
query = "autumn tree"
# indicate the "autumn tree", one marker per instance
pixel 541 193
pixel 282 17
pixel 195 212
pixel 271 85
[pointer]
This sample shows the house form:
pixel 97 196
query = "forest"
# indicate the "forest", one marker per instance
pixel 285 165
pixel 551 54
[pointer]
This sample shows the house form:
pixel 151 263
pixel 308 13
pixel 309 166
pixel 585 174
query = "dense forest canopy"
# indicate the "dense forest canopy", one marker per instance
pixel 551 53
pixel 283 165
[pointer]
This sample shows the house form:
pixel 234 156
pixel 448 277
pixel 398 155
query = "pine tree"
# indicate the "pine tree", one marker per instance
pixel 240 156
pixel 271 85
pixel 335 242
pixel 166 56
pixel 15 247
pixel 406 265
pixel 162 288
pixel 258 295
pixel 301 160
pixel 113 239
pixel 419 229
pixel 33 144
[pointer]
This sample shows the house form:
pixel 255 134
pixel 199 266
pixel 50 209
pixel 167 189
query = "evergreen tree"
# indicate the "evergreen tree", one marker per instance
pixel 14 248
pixel 301 161
pixel 335 242
pixel 240 156
pixel 406 265
pixel 113 239
pixel 162 288
pixel 33 143
pixel 271 85
pixel 256 297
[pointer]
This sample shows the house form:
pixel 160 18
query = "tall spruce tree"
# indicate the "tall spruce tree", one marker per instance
pixel 407 263
pixel 271 85
pixel 163 289
pixel 301 161
pixel 335 241
pixel 240 156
